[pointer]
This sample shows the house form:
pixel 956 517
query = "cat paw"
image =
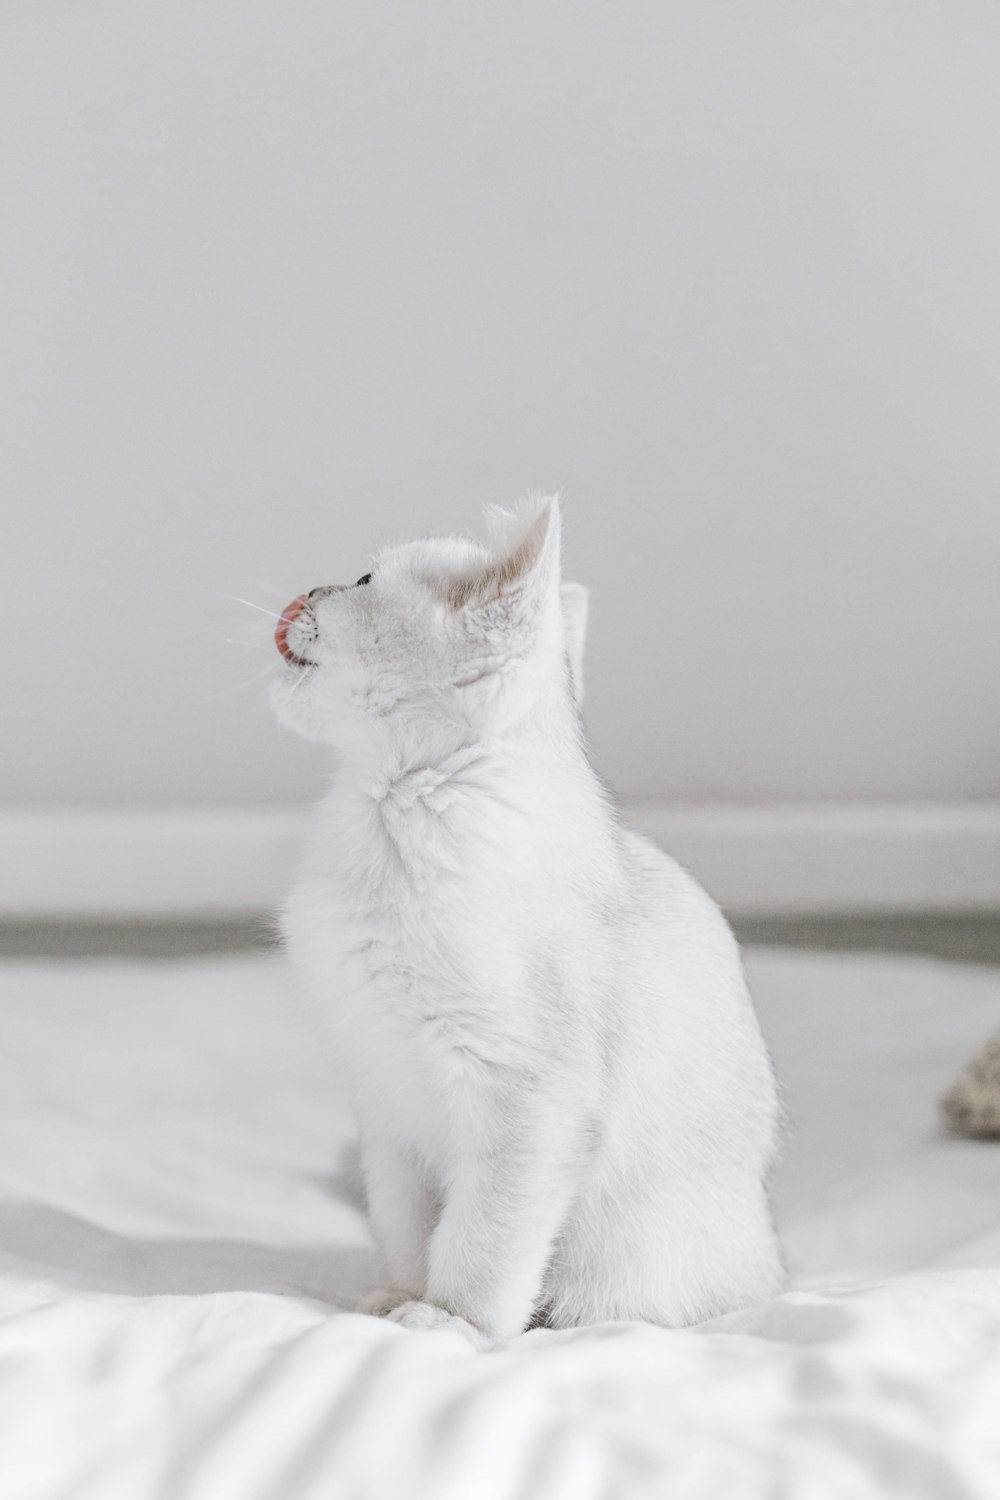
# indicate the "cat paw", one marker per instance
pixel 382 1301
pixel 424 1315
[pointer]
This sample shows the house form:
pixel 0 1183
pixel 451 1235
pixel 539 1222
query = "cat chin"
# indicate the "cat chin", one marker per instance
pixel 294 710
pixel 316 714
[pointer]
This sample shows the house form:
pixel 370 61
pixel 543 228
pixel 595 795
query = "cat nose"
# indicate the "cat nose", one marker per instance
pixel 328 588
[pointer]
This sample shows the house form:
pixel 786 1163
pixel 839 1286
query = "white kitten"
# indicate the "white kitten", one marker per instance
pixel 565 1106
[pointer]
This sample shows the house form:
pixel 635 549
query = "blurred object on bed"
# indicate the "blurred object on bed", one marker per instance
pixel 972 1105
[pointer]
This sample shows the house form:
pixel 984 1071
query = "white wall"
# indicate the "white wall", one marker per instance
pixel 284 279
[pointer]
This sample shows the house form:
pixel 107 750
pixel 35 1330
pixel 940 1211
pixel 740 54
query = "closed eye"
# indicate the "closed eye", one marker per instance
pixel 365 578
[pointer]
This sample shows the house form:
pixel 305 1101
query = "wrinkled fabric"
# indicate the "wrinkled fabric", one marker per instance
pixel 179 1233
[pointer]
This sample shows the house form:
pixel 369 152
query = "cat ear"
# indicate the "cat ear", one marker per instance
pixel 575 604
pixel 521 575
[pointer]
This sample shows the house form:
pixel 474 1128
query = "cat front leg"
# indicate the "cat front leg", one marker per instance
pixel 400 1211
pixel 512 1183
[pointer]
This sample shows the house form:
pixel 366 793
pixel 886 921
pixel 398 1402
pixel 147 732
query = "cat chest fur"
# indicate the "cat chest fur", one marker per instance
pixel 443 968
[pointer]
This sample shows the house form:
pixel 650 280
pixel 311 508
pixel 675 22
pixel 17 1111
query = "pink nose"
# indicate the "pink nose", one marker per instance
pixel 288 614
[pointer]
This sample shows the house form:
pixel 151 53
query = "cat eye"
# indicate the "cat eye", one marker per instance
pixel 365 578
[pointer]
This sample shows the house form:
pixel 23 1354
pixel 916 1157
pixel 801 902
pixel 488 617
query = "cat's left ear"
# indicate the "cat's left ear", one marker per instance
pixel 524 573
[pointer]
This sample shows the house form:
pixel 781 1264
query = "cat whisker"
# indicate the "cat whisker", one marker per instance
pixel 250 605
pixel 267 672
pixel 237 599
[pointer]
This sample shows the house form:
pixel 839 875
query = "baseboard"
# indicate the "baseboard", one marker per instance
pixel 837 859
pixel 141 862
pixel 818 859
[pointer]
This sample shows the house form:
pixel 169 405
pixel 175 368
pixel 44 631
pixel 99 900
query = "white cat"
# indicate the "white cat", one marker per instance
pixel 566 1109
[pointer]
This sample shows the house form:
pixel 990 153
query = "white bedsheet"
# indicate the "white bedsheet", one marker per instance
pixel 176 1242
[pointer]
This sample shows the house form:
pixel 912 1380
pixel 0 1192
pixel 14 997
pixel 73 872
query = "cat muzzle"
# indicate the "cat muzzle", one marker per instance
pixel 289 614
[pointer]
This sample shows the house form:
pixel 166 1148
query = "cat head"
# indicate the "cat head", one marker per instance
pixel 440 629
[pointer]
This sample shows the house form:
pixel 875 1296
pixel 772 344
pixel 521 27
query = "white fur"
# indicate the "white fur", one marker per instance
pixel 565 1106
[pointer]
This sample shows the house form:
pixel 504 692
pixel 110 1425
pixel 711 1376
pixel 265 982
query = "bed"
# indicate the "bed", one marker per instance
pixel 181 1242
